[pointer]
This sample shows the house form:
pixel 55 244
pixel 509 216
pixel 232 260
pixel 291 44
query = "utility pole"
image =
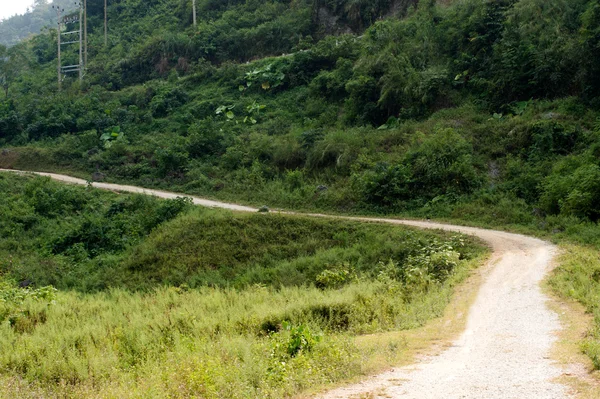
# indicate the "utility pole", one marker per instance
pixel 58 16
pixel 85 32
pixel 194 11
pixel 80 42
pixel 70 20
pixel 105 25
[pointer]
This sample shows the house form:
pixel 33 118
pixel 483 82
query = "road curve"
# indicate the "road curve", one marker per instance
pixel 504 351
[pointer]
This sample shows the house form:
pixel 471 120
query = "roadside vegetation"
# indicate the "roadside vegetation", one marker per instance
pixel 478 112
pixel 109 295
pixel 578 277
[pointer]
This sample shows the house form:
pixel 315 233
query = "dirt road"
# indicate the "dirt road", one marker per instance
pixel 504 351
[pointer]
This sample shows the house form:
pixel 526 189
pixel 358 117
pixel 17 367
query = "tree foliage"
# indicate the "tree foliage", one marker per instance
pixel 300 96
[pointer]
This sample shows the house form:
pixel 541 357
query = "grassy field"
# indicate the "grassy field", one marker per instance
pixel 133 297
pixel 578 277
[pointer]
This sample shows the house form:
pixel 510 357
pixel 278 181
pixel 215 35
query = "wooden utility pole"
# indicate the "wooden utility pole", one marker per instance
pixel 105 25
pixel 194 11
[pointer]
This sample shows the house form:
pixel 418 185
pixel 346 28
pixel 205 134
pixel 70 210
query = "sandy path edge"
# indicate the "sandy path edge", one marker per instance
pixel 504 351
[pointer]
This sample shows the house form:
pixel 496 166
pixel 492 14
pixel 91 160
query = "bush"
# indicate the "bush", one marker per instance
pixel 297 339
pixel 163 104
pixel 443 163
pixel 440 164
pixel 551 138
pixel 385 185
pixel 171 162
pixel 15 305
pixel 205 138
pixel 336 277
pixel 575 192
pixel 50 200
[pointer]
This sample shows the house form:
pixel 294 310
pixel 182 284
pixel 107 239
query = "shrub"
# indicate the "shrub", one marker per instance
pixel 551 138
pixel 15 305
pixel 440 164
pixel 170 161
pixel 575 192
pixel 384 185
pixel 163 104
pixel 205 139
pixel 294 340
pixel 294 179
pixel 335 277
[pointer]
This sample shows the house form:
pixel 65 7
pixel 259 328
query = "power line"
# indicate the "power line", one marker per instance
pixel 68 20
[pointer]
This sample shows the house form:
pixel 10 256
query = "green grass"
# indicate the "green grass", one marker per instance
pixel 578 277
pixel 159 299
pixel 492 208
pixel 220 248
pixel 464 137
pixel 206 342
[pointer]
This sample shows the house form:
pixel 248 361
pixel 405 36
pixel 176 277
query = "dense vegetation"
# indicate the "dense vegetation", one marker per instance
pixel 423 112
pixel 486 112
pixel 148 289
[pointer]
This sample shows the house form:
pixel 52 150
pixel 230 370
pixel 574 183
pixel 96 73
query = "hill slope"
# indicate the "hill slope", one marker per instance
pixel 147 295
pixel 477 88
pixel 483 111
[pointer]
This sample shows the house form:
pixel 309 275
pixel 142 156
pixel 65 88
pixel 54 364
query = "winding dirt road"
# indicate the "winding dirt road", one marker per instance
pixel 504 351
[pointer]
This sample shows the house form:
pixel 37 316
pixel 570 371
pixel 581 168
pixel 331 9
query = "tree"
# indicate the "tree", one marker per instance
pixel 12 60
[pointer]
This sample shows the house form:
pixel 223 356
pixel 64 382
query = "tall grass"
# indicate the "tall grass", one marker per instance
pixel 206 342
pixel 578 277
pixel 157 299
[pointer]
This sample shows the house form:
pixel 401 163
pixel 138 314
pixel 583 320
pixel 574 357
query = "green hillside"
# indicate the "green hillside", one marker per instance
pixel 484 112
pixel 108 295
pixel 473 101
